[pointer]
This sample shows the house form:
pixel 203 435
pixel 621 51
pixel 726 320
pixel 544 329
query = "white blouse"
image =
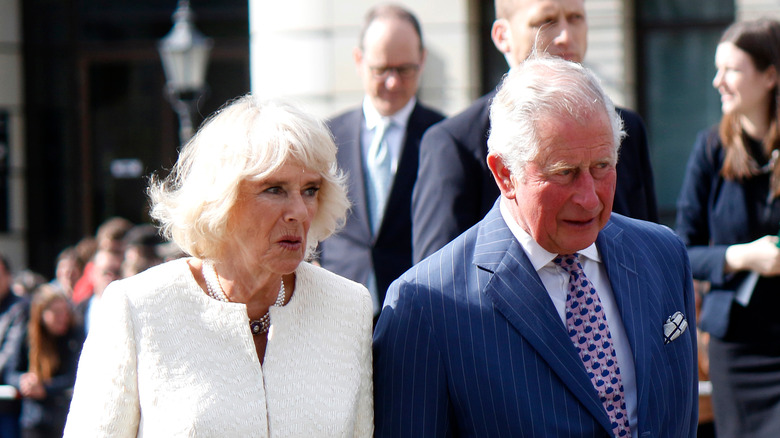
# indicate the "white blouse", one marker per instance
pixel 162 359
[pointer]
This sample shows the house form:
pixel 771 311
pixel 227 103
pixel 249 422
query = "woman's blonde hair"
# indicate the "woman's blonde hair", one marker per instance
pixel 248 139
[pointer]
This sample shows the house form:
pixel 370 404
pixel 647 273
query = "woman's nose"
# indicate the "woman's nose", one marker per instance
pixel 296 208
pixel 716 81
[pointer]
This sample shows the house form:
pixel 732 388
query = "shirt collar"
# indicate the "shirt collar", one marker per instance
pixel 539 256
pixel 400 118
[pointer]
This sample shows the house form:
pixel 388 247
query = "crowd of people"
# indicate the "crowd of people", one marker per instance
pixel 43 323
pixel 394 273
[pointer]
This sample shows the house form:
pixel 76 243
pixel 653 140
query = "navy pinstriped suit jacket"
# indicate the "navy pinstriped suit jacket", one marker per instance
pixel 469 343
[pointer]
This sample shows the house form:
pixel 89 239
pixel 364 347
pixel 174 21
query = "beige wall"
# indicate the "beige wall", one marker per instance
pixel 752 9
pixel 610 48
pixel 11 95
pixel 310 57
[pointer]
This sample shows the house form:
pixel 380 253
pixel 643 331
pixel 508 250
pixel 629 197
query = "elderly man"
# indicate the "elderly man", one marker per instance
pixel 551 317
pixel 378 148
pixel 455 189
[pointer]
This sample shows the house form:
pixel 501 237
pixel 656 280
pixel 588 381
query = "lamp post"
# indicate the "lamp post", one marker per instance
pixel 184 53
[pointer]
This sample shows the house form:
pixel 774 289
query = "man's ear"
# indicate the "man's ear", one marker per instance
pixel 772 76
pixel 502 175
pixel 501 33
pixel 357 56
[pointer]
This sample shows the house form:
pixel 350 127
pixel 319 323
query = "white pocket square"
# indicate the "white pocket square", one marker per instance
pixel 674 326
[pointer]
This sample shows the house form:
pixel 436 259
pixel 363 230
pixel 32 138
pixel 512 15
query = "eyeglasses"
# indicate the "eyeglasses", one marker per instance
pixel 404 71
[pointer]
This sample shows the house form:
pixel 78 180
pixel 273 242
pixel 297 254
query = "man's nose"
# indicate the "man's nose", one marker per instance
pixel 393 79
pixel 562 33
pixel 585 191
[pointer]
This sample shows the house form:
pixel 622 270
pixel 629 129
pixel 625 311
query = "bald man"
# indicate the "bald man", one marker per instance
pixel 378 148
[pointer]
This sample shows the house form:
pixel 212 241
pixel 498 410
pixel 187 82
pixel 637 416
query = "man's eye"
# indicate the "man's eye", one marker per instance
pixel 601 169
pixel 544 23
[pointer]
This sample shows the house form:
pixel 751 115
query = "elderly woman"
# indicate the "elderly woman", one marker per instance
pixel 243 338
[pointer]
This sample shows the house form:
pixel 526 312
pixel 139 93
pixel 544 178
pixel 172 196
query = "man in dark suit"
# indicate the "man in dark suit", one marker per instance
pixel 374 247
pixel 552 317
pixel 454 188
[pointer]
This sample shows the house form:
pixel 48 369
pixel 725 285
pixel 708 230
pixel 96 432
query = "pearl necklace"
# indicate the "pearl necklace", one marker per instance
pixel 256 326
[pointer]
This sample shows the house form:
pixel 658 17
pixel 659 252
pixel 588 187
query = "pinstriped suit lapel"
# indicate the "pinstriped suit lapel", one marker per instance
pixel 513 285
pixel 620 261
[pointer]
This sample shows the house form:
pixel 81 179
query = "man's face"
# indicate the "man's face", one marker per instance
pixel 390 64
pixel 107 269
pixel 557 27
pixel 565 196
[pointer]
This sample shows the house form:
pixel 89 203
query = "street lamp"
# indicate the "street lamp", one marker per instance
pixel 184 53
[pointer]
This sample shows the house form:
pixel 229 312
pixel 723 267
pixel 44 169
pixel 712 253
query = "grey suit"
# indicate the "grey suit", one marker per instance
pixel 354 250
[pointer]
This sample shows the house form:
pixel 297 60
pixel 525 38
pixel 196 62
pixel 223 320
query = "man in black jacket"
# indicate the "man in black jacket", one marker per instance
pixel 455 188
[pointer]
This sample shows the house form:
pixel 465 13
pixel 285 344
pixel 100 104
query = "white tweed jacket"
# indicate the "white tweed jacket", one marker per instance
pixel 162 359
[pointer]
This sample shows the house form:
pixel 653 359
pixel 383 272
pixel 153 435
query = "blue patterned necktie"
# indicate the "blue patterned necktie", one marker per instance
pixel 588 330
pixel 380 173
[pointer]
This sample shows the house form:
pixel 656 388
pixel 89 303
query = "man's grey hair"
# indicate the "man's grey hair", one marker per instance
pixel 543 88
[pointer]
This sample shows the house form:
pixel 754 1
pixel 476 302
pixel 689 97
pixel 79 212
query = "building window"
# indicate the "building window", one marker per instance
pixel 676 42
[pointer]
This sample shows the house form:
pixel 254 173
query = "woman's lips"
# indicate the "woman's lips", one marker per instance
pixel 290 242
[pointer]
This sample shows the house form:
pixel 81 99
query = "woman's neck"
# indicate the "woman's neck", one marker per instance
pixel 756 125
pixel 257 289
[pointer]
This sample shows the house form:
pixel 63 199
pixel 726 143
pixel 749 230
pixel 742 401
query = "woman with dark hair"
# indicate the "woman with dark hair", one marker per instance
pixel 43 370
pixel 729 216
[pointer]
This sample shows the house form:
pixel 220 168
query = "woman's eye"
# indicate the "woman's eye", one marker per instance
pixel 311 191
pixel 273 190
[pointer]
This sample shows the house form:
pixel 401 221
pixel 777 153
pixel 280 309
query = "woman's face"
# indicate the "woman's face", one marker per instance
pixel 271 218
pixel 56 317
pixel 743 89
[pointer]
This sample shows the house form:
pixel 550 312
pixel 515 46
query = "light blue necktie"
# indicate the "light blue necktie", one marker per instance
pixel 380 173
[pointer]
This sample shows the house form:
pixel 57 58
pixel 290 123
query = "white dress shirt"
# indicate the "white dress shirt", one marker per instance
pixel 395 133
pixel 556 281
